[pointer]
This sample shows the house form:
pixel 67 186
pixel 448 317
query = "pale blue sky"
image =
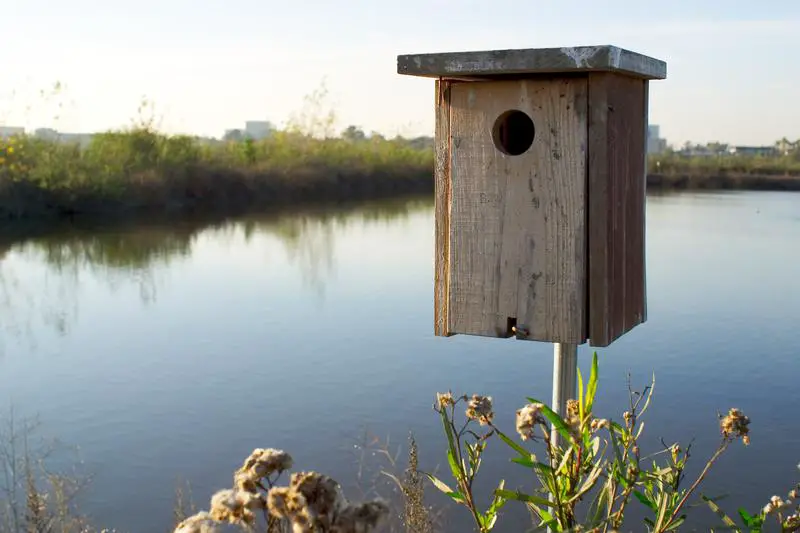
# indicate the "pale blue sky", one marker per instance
pixel 733 67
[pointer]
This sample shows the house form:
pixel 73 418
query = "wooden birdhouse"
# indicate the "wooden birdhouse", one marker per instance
pixel 540 191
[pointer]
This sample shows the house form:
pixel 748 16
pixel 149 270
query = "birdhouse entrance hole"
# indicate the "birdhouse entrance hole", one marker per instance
pixel 513 132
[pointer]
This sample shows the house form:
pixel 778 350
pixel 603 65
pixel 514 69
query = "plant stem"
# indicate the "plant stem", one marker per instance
pixel 722 447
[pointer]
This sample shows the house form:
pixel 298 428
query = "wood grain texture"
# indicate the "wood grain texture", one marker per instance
pixel 532 60
pixel 443 194
pixel 616 188
pixel 517 239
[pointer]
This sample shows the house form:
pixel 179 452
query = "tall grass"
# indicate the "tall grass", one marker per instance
pixel 675 171
pixel 140 169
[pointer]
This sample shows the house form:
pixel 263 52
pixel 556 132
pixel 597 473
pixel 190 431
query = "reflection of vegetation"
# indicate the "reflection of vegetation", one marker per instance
pixel 33 497
pixel 135 252
pixel 126 251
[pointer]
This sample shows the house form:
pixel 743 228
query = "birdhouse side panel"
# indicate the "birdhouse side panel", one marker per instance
pixel 517 246
pixel 617 183
pixel 443 194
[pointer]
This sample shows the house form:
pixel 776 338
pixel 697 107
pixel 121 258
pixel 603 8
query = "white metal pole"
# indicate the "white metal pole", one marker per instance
pixel 565 376
pixel 565 381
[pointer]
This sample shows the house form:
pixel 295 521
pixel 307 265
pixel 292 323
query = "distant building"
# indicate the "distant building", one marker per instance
pixel 82 139
pixel 655 144
pixel 49 134
pixel 697 150
pixel 10 131
pixel 253 129
pixel 753 150
pixel 258 129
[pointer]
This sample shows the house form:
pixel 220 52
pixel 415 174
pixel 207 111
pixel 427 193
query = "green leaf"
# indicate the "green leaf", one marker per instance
pixel 745 516
pixel 617 451
pixel 557 422
pixel 448 431
pixel 651 388
pixel 750 520
pixel 442 486
pixel 591 387
pixel 497 503
pixel 516 447
pixel 645 500
pixel 597 506
pixel 590 481
pixel 563 465
pixel 727 520
pixel 522 497
pixel 677 522
pixel 523 461
pixel 455 468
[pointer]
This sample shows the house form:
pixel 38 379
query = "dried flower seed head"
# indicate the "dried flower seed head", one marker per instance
pixel 246 480
pixel 360 518
pixel 480 408
pixel 734 424
pixel 628 416
pixel 202 522
pixel 321 494
pixel 777 502
pixel 233 505
pixel 444 399
pixel 285 502
pixel 768 508
pixel 794 494
pixel 527 419
pixel 573 408
pixel 267 461
pixel 301 527
pixel 599 423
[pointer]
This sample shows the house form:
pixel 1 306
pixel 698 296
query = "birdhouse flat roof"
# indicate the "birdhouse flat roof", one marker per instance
pixel 492 63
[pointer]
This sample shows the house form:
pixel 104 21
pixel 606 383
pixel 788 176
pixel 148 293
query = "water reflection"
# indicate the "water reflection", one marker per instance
pixel 39 276
pixel 297 331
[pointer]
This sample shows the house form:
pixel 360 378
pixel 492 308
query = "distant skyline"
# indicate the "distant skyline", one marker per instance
pixel 732 71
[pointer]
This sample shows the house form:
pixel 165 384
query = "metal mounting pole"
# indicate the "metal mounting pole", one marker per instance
pixel 565 381
pixel 565 377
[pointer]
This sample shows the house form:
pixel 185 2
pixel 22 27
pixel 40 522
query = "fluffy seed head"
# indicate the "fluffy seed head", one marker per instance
pixel 734 424
pixel 528 417
pixel 480 408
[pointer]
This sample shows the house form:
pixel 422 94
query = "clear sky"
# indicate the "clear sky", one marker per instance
pixel 733 69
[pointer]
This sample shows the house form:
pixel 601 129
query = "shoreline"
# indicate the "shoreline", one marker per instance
pixel 723 182
pixel 236 193
pixel 76 224
pixel 140 174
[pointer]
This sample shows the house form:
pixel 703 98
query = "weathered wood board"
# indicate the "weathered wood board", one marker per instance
pixel 486 63
pixel 511 229
pixel 616 191
pixel 443 194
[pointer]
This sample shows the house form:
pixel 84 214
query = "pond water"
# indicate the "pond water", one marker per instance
pixel 168 352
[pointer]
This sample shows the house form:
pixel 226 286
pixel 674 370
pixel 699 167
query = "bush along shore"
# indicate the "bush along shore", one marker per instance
pixel 140 170
pixel 143 171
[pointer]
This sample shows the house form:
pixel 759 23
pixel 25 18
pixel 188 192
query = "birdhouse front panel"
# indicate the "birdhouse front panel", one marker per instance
pixel 512 191
pixel 540 191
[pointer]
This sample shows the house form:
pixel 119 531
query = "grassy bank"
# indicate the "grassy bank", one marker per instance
pixel 674 171
pixel 142 171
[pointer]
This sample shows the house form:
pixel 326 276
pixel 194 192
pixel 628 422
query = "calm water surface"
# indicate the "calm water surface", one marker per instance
pixel 168 353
